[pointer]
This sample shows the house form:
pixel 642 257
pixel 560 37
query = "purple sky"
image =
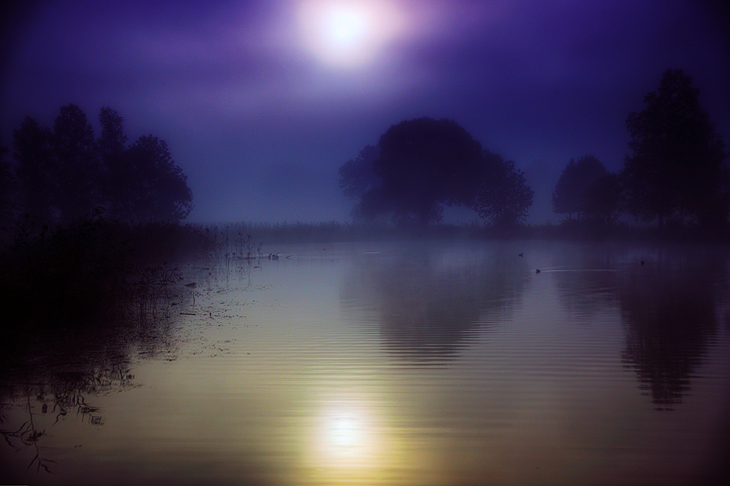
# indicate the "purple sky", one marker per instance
pixel 261 101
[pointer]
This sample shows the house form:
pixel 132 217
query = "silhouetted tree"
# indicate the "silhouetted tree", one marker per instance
pixel 505 196
pixel 36 169
pixel 151 185
pixel 7 185
pixel 676 168
pixel 112 146
pixel 425 165
pixel 357 177
pixel 604 199
pixel 66 173
pixel 577 177
pixel 112 140
pixel 143 183
pixel 78 171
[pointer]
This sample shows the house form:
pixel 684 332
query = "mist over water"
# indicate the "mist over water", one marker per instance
pixel 401 363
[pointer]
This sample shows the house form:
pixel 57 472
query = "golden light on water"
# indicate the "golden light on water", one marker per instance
pixel 350 440
pixel 345 434
pixel 349 33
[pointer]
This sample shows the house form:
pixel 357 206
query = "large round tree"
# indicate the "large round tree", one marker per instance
pixel 421 166
pixel 425 164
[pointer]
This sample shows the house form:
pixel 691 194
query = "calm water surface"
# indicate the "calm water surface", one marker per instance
pixel 383 363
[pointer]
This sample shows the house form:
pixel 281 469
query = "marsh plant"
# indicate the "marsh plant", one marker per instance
pixel 52 398
pixel 234 240
pixel 150 288
pixel 27 436
pixel 229 250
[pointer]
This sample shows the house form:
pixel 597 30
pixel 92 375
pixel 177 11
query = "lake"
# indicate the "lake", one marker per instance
pixel 420 363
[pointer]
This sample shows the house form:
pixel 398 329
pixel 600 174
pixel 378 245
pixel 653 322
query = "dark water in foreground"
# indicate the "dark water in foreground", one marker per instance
pixel 430 364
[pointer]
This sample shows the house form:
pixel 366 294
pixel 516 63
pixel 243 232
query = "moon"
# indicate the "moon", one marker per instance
pixel 348 33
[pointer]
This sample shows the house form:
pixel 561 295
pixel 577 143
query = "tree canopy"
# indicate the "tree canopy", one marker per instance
pixel 77 168
pixel 421 166
pixel 6 190
pixel 505 197
pixel 677 165
pixel 35 170
pixel 603 201
pixel 152 187
pixel 569 196
pixel 357 177
pixel 65 173
pixel 425 164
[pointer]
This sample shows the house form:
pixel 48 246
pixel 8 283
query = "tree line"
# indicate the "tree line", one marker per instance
pixel 676 171
pixel 62 174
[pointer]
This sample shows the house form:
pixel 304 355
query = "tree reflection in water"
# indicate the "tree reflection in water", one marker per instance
pixel 429 300
pixel 670 306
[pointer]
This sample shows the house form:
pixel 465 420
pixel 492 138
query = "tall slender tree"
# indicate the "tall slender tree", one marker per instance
pixel 65 173
pixel 676 168
pixel 112 145
pixel 7 196
pixel 79 169
pixel 36 170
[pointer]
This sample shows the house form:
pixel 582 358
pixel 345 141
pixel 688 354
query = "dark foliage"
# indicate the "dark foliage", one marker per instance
pixel 151 187
pixel 76 168
pixel 82 216
pixel 357 176
pixel 7 185
pixel 570 192
pixel 65 174
pixel 505 197
pixel 424 165
pixel 677 166
pixel 35 170
pixel 603 200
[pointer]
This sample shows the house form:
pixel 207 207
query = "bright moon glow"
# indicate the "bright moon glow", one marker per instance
pixel 347 28
pixel 348 34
